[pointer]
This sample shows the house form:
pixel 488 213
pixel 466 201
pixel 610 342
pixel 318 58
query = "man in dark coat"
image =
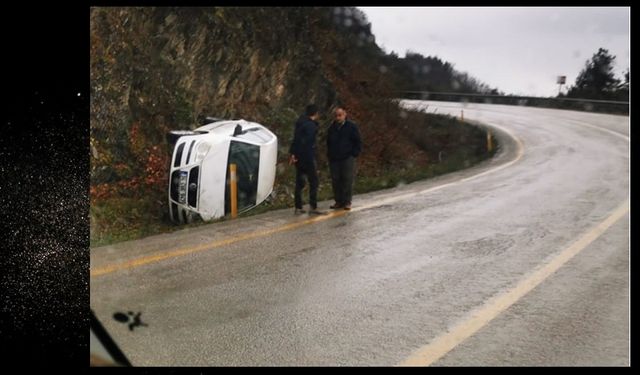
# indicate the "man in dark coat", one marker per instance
pixel 303 155
pixel 343 147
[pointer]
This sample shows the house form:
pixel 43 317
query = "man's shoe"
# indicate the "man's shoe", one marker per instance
pixel 347 206
pixel 335 206
pixel 298 211
pixel 315 211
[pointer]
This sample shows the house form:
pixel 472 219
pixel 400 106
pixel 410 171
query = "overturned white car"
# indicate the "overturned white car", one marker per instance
pixel 199 179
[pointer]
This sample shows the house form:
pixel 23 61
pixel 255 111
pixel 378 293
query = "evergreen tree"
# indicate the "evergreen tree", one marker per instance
pixel 596 80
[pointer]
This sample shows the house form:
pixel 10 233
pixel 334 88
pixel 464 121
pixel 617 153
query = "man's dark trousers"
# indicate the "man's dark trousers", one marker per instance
pixel 308 169
pixel 342 179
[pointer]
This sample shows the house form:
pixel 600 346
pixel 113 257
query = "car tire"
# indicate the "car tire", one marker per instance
pixel 271 198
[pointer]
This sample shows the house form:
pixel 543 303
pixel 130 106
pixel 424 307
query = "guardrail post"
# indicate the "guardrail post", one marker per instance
pixel 461 115
pixel 233 179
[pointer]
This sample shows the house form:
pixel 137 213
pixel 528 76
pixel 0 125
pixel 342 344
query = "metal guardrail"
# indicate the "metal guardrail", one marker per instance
pixel 430 93
pixel 569 103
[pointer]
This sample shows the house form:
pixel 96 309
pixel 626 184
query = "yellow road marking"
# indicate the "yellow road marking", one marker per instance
pixel 379 202
pixel 478 318
pixel 171 254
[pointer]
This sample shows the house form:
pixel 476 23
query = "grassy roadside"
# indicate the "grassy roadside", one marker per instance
pixel 447 145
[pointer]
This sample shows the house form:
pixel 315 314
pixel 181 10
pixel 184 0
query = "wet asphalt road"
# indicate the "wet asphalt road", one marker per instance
pixel 372 286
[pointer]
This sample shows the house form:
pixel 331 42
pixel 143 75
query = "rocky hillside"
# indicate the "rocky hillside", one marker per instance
pixel 158 69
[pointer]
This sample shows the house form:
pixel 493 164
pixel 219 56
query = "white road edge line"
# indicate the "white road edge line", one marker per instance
pixel 396 198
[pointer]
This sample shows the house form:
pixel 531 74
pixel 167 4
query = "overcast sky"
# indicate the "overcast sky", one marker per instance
pixel 519 50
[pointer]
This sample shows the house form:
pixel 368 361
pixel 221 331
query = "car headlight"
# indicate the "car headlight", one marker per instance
pixel 202 151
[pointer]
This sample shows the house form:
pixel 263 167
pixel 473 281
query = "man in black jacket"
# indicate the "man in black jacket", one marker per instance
pixel 343 147
pixel 303 155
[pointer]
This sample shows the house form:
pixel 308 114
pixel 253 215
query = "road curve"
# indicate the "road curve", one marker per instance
pixel 520 260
